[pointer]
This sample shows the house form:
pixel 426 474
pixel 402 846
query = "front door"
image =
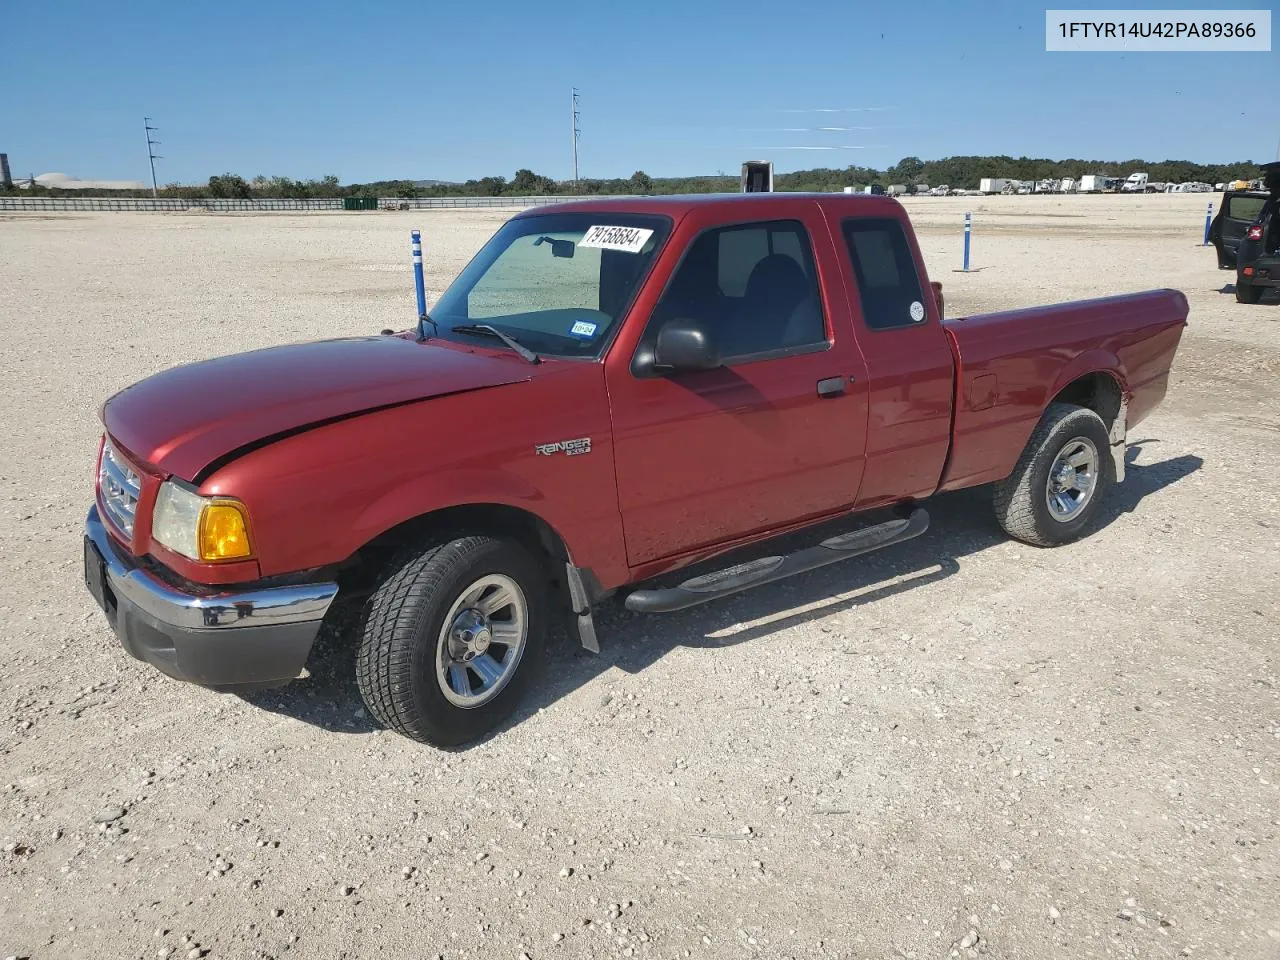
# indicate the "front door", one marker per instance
pixel 774 436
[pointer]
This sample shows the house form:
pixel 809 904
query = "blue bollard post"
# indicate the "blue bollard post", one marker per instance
pixel 417 274
pixel 1208 223
pixel 968 220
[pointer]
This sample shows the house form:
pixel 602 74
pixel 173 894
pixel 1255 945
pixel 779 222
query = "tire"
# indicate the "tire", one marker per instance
pixel 1247 293
pixel 406 657
pixel 1037 510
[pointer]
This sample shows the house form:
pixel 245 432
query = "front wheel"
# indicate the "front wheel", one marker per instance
pixel 1053 493
pixel 452 638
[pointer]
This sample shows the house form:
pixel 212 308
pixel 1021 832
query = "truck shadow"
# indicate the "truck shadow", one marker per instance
pixel 1269 298
pixel 962 525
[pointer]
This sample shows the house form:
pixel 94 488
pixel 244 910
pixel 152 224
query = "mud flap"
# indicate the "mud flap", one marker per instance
pixel 581 606
pixel 1119 438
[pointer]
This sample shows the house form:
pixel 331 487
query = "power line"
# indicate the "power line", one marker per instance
pixel 151 154
pixel 577 132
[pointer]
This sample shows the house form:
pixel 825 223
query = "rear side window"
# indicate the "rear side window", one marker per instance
pixel 1245 209
pixel 888 285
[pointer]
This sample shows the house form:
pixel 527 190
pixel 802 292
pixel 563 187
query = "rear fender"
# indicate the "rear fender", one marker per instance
pixel 1091 363
pixel 1086 364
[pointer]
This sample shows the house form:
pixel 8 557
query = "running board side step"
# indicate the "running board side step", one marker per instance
pixel 755 573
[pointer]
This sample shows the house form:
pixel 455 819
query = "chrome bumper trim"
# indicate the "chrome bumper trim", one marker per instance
pixel 269 606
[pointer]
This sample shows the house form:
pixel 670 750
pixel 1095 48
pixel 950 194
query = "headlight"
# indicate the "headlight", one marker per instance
pixel 206 529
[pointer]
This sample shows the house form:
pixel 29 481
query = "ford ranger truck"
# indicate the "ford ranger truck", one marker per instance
pixel 610 396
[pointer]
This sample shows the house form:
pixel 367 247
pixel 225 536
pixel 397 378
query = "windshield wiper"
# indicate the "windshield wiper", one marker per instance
pixel 422 327
pixel 484 329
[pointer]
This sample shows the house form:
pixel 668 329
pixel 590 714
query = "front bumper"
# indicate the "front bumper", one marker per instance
pixel 214 637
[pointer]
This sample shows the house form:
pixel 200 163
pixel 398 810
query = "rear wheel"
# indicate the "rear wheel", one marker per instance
pixel 1052 495
pixel 1247 292
pixel 452 638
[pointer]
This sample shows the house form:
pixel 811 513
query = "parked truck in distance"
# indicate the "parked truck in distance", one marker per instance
pixel 1139 183
pixel 991 185
pixel 612 402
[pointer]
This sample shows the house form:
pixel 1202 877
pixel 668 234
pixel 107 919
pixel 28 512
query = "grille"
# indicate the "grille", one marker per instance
pixel 118 486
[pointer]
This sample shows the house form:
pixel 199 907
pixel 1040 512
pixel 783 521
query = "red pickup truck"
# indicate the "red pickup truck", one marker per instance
pixel 609 392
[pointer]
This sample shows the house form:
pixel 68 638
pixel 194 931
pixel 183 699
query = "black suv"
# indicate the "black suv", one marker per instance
pixel 1246 234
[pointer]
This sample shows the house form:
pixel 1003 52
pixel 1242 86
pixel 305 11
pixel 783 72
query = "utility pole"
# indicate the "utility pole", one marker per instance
pixel 151 154
pixel 577 132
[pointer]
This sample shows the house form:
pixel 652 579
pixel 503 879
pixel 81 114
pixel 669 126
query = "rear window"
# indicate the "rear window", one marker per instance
pixel 1245 208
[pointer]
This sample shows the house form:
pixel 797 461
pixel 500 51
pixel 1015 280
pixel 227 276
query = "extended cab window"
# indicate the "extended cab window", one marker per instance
pixel 888 285
pixel 754 286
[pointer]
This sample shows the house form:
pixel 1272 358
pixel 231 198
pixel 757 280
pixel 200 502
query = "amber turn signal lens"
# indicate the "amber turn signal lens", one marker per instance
pixel 224 533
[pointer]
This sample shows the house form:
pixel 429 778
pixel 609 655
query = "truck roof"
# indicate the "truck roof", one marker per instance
pixel 674 205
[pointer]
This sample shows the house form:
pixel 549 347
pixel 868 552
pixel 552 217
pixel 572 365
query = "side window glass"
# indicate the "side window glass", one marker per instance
pixel 888 285
pixel 791 244
pixel 754 287
pixel 739 251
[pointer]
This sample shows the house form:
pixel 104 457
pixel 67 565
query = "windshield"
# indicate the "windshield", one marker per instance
pixel 556 282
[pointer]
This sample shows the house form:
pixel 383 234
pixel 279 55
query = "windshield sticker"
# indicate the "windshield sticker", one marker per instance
pixel 626 239
pixel 917 311
pixel 583 328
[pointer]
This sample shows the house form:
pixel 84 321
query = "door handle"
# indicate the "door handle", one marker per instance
pixel 831 387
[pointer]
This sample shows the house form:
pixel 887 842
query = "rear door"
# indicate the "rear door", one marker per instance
pixel 910 367
pixel 1238 211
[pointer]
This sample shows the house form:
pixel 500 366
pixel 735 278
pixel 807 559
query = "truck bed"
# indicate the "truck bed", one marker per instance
pixel 1010 364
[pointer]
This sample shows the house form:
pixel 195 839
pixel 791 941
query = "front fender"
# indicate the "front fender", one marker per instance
pixel 440 491
pixel 319 496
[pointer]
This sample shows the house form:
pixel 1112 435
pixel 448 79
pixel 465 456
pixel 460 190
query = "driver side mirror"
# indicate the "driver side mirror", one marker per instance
pixel 684 346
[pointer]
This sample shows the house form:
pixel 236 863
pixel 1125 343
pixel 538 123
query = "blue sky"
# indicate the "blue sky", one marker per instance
pixel 384 89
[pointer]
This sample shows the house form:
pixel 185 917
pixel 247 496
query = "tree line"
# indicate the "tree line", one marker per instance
pixel 958 172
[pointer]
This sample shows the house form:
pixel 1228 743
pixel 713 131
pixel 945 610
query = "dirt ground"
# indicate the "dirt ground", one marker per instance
pixel 963 747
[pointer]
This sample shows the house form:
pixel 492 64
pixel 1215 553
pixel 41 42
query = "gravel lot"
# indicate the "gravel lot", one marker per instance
pixel 964 747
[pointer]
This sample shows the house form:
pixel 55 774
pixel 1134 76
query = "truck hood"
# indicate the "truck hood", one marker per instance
pixel 180 421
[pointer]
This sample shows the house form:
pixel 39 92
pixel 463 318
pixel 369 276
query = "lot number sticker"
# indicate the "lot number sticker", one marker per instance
pixel 626 239
pixel 583 329
pixel 917 311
